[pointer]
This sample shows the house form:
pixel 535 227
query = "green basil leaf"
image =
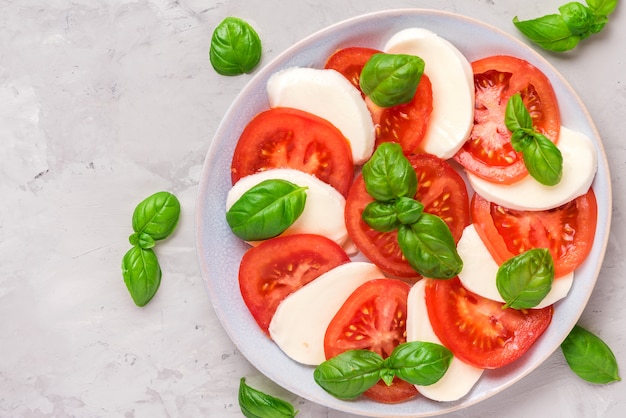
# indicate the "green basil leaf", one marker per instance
pixel 543 160
pixel 349 374
pixel 590 357
pixel 429 247
pixel 235 47
pixel 516 116
pixel 602 7
pixel 391 79
pixel 266 210
pixel 578 18
pixel 419 363
pixel 256 404
pixel 409 210
pixel 141 239
pixel 157 215
pixel 598 24
pixel 524 280
pixel 388 174
pixel 521 138
pixel 142 274
pixel 381 216
pixel 550 32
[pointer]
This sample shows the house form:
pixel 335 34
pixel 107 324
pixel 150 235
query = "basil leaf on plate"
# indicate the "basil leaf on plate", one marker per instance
pixel 590 357
pixel 157 215
pixel 524 280
pixel 381 216
pixel 388 174
pixel 256 404
pixel 419 363
pixel 349 374
pixel 266 210
pixel 235 47
pixel 391 79
pixel 142 274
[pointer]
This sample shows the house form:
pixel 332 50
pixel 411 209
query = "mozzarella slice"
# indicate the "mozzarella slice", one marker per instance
pixel 452 81
pixel 300 322
pixel 580 162
pixel 460 377
pixel 323 211
pixel 329 95
pixel 480 269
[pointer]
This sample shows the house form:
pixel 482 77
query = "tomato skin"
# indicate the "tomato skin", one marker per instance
pixel 477 330
pixel 441 190
pixel 350 62
pixel 373 318
pixel 279 266
pixel 291 138
pixel 567 231
pixel 488 152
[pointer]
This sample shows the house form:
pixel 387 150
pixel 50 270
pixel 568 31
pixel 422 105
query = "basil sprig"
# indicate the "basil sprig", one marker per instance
pixel 524 280
pixel 154 219
pixel 256 404
pixel 235 47
pixel 542 158
pixel 424 239
pixel 266 210
pixel 563 31
pixel 590 357
pixel 349 374
pixel 391 79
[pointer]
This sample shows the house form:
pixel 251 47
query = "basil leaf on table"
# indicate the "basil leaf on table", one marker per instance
pixel 349 374
pixel 235 47
pixel 157 216
pixel 391 79
pixel 266 210
pixel 256 404
pixel 590 357
pixel 419 363
pixel 524 280
pixel 602 7
pixel 388 174
pixel 578 18
pixel 142 274
pixel 429 247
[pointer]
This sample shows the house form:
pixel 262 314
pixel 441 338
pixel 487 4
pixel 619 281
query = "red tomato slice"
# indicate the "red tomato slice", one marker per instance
pixel 477 330
pixel 441 190
pixel 291 138
pixel 373 318
pixel 350 61
pixel 488 152
pixel 567 231
pixel 279 266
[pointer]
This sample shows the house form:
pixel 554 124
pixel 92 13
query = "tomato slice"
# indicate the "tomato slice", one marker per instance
pixel 441 190
pixel 567 231
pixel 488 152
pixel 292 138
pixel 350 62
pixel 477 330
pixel 373 318
pixel 279 266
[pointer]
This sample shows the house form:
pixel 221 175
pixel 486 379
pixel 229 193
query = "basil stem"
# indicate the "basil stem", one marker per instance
pixel 429 247
pixel 388 174
pixel 156 216
pixel 391 79
pixel 142 274
pixel 420 363
pixel 349 374
pixel 256 404
pixel 590 357
pixel 235 47
pixel 542 158
pixel 266 210
pixel 524 280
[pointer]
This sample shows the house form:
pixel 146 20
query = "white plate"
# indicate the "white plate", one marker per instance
pixel 219 251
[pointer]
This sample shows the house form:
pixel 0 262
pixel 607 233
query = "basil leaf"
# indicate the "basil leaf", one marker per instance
pixel 408 210
pixel 235 47
pixel 429 247
pixel 266 210
pixel 381 216
pixel 543 160
pixel 598 24
pixel 391 79
pixel 602 7
pixel 256 404
pixel 590 357
pixel 141 239
pixel 578 18
pixel 349 374
pixel 388 174
pixel 550 32
pixel 524 280
pixel 142 274
pixel 157 215
pixel 516 116
pixel 419 363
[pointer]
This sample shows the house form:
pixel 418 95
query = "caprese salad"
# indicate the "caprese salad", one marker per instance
pixel 373 224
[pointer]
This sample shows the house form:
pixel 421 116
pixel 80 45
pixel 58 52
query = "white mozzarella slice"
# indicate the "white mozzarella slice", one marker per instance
pixel 300 322
pixel 460 377
pixel 329 95
pixel 580 162
pixel 452 81
pixel 480 269
pixel 323 211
